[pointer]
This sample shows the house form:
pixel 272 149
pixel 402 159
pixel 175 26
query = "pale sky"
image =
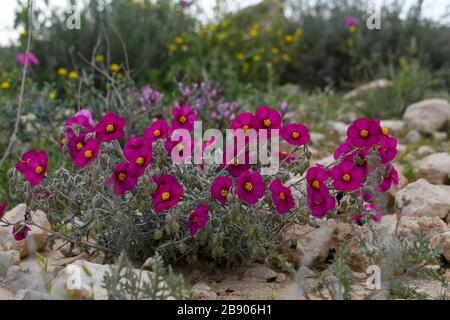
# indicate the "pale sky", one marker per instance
pixel 432 8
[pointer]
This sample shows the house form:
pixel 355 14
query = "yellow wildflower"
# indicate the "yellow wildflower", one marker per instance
pixel 114 67
pixel 285 57
pixel 257 58
pixel 99 58
pixel 221 36
pixel 240 56
pixel 298 32
pixel 212 27
pixel 179 40
pixel 24 33
pixel 62 72
pixel 5 85
pixel 289 38
pixel 119 75
pixel 52 95
pixel 352 29
pixel 253 33
pixel 73 75
pixel 245 67
pixel 269 29
pixel 172 47
pixel 225 23
pixel 275 51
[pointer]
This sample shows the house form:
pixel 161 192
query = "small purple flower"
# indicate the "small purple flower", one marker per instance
pixel 350 21
pixel 250 187
pixel 220 189
pixel 183 117
pixel 27 60
pixel 167 194
pixel 316 177
pixel 198 219
pixel 295 134
pixel 320 203
pixel 110 127
pixel 20 231
pixel 33 166
pixel 387 149
pixel 347 176
pixel 364 132
pixel 124 178
pixel 281 196
pixel 390 178
pixel 371 210
pixel 139 152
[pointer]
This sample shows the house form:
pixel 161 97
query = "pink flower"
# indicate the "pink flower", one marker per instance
pixel 167 194
pixel 343 149
pixel 388 180
pixel 250 187
pixel 267 118
pixel 387 149
pixel 184 148
pixel 198 219
pixel 350 21
pixel 83 152
pixel 283 156
pixel 371 210
pixel 157 130
pixel 110 127
pixel 183 117
pixel 33 166
pixel 295 134
pixel 20 231
pixel 238 164
pixel 82 119
pixel 124 178
pixel 364 132
pixel 347 176
pixel 2 208
pixel 220 189
pixel 139 152
pixel 28 60
pixel 316 177
pixel 243 121
pixel 281 196
pixel 320 203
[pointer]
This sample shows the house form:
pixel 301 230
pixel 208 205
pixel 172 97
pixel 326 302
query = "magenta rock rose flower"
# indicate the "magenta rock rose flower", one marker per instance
pixel 124 178
pixel 347 176
pixel 27 60
pixel 168 192
pixel 157 130
pixel 33 166
pixel 139 152
pixel 364 133
pixel 371 210
pixel 2 208
pixel 281 196
pixel 83 151
pixel 110 127
pixel 20 231
pixel 316 177
pixel 183 118
pixel 220 189
pixel 295 134
pixel 267 118
pixel 198 219
pixel 390 179
pixel 387 149
pixel 320 203
pixel 243 121
pixel 350 21
pixel 250 187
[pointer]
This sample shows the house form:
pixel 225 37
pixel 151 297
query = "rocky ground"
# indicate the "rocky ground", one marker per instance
pixel 420 204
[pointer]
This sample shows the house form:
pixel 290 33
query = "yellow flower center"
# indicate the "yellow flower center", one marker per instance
pixel 180 147
pixel 182 119
pixel 364 133
pixel 267 123
pixel 235 162
pixel 315 184
pixel 109 128
pixel 224 192
pixel 284 153
pixel 346 177
pixel 385 131
pixel 121 177
pixel 140 161
pixel 39 170
pixel 156 133
pixel 245 128
pixel 295 135
pixel 282 196
pixel 165 196
pixel 248 186
pixel 63 141
pixel 88 154
pixel 79 146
